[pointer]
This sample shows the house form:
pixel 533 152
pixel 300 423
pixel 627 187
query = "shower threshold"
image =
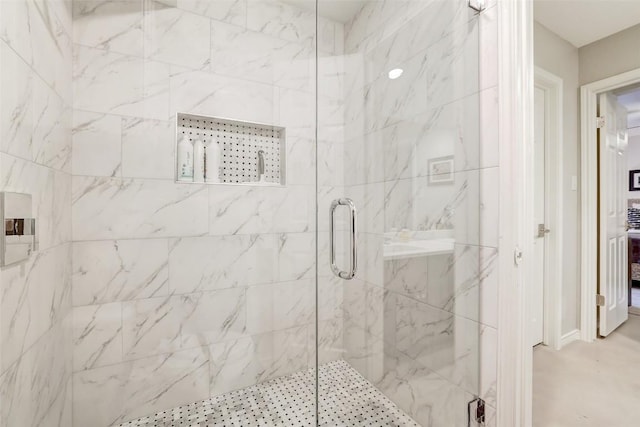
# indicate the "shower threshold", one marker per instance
pixel 345 399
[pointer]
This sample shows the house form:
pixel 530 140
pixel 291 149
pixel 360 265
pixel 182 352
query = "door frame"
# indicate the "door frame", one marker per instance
pixel 589 195
pixel 515 115
pixel 552 86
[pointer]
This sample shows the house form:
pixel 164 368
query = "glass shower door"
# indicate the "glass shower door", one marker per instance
pixel 218 299
pixel 406 341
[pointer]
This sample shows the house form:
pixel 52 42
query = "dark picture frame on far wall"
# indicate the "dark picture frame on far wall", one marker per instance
pixel 634 180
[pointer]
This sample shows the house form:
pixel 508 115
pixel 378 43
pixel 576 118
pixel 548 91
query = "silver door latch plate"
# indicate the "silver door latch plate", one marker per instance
pixel 517 256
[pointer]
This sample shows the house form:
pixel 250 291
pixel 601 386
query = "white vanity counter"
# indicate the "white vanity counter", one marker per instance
pixel 421 243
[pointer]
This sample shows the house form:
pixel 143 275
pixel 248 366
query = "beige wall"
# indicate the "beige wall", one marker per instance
pixel 610 56
pixel 605 58
pixel 559 57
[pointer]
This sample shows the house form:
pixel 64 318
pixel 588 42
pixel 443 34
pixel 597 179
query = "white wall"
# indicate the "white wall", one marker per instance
pixel 559 57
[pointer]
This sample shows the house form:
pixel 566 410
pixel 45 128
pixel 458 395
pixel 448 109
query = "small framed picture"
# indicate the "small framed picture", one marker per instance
pixel 441 170
pixel 634 180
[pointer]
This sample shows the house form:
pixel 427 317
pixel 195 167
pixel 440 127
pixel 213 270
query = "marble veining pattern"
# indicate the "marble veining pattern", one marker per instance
pixel 229 11
pixel 183 292
pixel 110 271
pixel 105 208
pixel 116 393
pixel 120 28
pixel 36 342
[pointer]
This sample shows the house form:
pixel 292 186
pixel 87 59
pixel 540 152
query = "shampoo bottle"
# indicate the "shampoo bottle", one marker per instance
pixel 198 161
pixel 185 160
pixel 212 158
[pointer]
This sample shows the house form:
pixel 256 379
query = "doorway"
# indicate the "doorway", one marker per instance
pixel 546 290
pixel 608 239
pixel 629 98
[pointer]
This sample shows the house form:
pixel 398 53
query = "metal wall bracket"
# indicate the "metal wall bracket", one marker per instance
pixel 477 5
pixel 476 412
pixel 19 238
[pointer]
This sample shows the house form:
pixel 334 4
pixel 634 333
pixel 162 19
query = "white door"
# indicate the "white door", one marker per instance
pixel 537 290
pixel 612 283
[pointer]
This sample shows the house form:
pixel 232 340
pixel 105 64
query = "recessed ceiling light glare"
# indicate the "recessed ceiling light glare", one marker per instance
pixel 395 73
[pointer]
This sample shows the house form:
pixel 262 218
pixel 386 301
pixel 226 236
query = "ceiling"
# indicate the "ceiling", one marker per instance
pixel 582 22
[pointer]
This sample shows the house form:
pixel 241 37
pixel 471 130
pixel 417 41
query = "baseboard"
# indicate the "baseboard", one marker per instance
pixel 570 337
pixel 634 310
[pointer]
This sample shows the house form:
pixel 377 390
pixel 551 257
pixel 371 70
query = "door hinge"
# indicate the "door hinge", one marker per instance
pixel 600 300
pixel 476 412
pixel 542 230
pixel 600 122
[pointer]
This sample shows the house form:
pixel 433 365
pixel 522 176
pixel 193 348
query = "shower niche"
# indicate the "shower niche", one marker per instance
pixel 229 151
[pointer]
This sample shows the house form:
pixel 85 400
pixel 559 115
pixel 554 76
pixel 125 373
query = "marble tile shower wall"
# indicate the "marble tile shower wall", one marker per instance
pixel 35 158
pixel 185 291
pixel 423 329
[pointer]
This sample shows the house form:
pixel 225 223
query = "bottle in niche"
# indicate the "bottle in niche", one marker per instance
pixel 185 160
pixel 198 161
pixel 212 161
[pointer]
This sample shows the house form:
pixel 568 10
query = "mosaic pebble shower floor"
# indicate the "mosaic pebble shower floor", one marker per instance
pixel 346 399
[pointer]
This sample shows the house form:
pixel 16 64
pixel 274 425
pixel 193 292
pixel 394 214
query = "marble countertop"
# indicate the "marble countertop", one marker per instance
pixel 417 248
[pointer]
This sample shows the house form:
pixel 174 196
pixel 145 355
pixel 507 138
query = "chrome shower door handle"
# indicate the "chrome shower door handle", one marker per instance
pixel 352 232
